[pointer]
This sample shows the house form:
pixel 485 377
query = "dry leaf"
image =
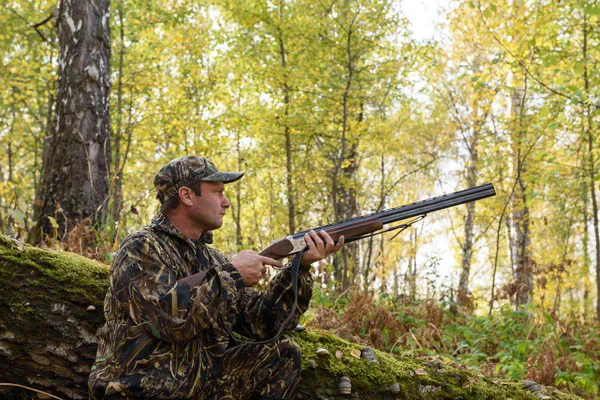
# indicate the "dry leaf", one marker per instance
pixel 420 372
pixel 355 353
pixel 339 354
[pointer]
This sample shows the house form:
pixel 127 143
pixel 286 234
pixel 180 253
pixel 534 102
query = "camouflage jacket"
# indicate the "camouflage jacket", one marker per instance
pixel 165 340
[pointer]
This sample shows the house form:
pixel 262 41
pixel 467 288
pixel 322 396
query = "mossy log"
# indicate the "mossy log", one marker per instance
pixel 47 341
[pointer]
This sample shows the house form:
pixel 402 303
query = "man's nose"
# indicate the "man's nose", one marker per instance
pixel 225 203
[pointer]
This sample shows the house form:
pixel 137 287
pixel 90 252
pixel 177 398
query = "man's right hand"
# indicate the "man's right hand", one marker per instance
pixel 252 266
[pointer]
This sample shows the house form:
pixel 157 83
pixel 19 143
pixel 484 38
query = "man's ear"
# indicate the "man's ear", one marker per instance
pixel 185 195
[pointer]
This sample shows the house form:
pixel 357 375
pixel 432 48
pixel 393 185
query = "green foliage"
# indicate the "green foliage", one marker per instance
pixel 508 344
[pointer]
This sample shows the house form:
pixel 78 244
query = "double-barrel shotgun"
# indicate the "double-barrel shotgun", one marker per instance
pixel 373 224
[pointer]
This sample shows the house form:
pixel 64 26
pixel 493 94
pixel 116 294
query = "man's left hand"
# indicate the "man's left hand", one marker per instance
pixel 320 245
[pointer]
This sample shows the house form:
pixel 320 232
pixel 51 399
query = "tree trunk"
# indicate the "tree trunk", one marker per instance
pixel 117 200
pixel 591 162
pixel 237 211
pixel 75 184
pixel 587 307
pixel 518 221
pixel 47 337
pixel 286 128
pixel 344 192
pixel 467 248
pixel 524 263
pixel 411 274
pixel 47 341
pixel 7 229
pixel 379 265
pixel 49 128
pixel 345 207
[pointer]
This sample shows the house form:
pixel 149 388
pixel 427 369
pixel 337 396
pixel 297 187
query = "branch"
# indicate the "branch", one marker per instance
pixel 36 26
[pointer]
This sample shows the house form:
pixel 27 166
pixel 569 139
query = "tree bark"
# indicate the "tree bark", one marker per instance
pixel 519 220
pixel 47 341
pixel 343 190
pixel 411 273
pixel 237 211
pixel 47 336
pixel 286 128
pixel 587 307
pixel 117 200
pixel 467 248
pixel 591 162
pixel 75 184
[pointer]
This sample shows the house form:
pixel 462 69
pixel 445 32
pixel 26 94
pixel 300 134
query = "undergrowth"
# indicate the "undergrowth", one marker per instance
pixel 507 344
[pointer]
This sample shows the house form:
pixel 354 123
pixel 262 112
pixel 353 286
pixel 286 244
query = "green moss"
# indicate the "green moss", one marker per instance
pixel 20 307
pixel 373 379
pixel 33 279
pixel 79 279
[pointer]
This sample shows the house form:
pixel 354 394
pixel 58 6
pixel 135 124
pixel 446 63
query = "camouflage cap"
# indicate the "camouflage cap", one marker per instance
pixel 186 171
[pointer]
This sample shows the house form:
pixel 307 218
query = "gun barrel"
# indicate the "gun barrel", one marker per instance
pixel 438 203
pixel 419 208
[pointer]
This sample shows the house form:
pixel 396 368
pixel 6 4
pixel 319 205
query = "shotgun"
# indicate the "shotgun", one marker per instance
pixel 373 224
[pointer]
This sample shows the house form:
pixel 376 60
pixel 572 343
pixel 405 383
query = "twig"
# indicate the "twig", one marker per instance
pixel 29 388
pixel 336 300
pixel 415 339
pixel 530 331
pixel 396 342
pixel 439 335
pixel 36 26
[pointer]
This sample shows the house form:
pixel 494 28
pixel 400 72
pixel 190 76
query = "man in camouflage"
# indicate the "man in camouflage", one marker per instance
pixel 173 302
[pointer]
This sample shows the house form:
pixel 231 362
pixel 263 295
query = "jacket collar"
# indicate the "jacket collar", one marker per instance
pixel 162 223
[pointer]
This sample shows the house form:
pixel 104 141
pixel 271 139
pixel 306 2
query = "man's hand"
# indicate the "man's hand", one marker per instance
pixel 252 266
pixel 320 245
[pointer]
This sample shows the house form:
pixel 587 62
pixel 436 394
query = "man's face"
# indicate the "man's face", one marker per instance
pixel 210 207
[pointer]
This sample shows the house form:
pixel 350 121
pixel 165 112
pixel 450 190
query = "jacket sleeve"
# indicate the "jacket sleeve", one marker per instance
pixel 261 314
pixel 146 288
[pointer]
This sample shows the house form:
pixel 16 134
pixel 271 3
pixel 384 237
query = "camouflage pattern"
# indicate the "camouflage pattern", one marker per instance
pixel 186 171
pixel 166 340
pixel 269 370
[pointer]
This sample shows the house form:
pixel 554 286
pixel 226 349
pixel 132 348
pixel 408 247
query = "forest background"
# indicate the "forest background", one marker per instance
pixel 334 109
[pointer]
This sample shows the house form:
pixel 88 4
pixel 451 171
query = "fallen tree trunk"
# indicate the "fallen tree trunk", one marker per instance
pixel 47 341
pixel 47 336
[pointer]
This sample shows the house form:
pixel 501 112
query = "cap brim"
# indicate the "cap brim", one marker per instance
pixel 225 177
